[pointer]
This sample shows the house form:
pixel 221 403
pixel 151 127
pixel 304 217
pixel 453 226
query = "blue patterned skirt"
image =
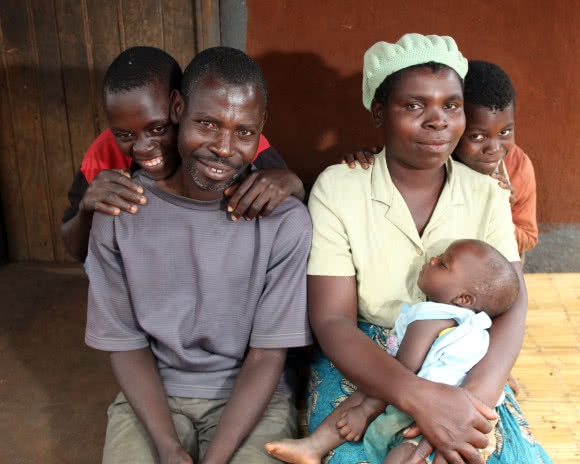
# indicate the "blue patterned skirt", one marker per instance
pixel 327 388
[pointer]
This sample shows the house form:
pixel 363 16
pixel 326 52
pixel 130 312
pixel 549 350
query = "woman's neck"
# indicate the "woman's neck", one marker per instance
pixel 408 178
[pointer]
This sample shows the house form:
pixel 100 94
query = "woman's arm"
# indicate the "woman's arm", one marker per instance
pixel 487 379
pixel 446 415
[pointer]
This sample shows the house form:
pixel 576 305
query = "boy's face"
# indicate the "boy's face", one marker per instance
pixel 422 119
pixel 489 136
pixel 444 278
pixel 219 131
pixel 140 121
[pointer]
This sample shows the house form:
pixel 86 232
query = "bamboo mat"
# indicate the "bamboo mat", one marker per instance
pixel 548 368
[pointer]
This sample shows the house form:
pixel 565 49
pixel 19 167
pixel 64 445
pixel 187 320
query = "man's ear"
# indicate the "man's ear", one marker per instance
pixel 377 113
pixel 176 106
pixel 465 300
pixel 264 119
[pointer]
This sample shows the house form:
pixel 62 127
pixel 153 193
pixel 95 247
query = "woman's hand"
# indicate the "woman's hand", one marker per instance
pixel 453 421
pixel 365 156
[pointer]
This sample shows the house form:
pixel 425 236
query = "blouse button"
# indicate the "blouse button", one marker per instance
pixel 419 252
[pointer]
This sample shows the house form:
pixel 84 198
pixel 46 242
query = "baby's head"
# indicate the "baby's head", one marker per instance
pixel 473 275
pixel 490 101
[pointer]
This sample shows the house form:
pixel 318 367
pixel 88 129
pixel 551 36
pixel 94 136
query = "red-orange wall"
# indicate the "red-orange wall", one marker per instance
pixel 311 53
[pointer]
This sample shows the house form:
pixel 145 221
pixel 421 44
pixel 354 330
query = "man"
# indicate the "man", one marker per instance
pixel 198 310
pixel 137 86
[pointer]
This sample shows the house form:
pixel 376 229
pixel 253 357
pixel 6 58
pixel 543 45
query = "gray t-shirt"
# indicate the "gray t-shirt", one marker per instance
pixel 198 288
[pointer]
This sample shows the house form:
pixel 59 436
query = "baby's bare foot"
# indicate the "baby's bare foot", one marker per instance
pixel 294 451
pixel 353 423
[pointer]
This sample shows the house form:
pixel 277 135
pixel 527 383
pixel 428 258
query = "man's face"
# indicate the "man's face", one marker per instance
pixel 489 136
pixel 422 119
pixel 447 276
pixel 140 121
pixel 219 131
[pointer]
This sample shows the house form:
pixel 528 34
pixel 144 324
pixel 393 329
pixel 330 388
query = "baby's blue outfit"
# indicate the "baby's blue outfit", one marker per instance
pixel 450 358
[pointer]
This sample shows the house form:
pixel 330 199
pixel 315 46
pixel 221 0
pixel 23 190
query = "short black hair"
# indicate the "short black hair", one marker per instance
pixel 486 84
pixel 228 64
pixel 138 67
pixel 384 90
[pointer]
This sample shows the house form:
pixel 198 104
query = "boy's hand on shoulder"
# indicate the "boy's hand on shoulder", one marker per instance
pixel 365 156
pixel 505 184
pixel 261 192
pixel 111 192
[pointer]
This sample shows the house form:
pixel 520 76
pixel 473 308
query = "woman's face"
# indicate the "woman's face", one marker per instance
pixel 422 119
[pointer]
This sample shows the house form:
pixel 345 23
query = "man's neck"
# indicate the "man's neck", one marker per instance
pixel 182 184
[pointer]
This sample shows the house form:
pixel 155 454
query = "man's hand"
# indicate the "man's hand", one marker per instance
pixel 111 192
pixel 454 422
pixel 505 184
pixel 365 156
pixel 175 456
pixel 261 192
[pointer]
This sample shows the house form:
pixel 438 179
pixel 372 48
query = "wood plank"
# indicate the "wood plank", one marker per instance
pixel 106 46
pixel 77 76
pixel 207 24
pixel 143 23
pixel 22 78
pixel 10 185
pixel 179 30
pixel 54 118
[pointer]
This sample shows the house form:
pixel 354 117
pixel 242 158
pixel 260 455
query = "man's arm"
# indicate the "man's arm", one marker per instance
pixel 138 376
pixel 110 192
pixel 250 396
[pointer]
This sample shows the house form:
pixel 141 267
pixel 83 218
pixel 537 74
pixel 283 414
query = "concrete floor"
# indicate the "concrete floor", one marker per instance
pixel 558 250
pixel 54 391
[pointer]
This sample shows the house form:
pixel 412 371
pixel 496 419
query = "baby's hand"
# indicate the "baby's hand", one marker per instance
pixel 353 423
pixel 505 184
pixel 365 156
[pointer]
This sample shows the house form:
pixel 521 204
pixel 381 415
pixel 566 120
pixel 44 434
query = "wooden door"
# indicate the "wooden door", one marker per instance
pixel 53 55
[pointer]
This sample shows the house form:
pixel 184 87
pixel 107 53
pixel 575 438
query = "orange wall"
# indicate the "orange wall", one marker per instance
pixel 311 53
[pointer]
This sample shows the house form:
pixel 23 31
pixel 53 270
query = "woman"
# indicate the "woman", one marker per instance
pixel 373 231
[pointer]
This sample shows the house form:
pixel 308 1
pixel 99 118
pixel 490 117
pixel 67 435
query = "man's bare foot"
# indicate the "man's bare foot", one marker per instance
pixel 353 423
pixel 294 451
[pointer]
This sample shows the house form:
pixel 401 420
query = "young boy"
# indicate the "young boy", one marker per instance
pixel 442 339
pixel 137 88
pixel 488 145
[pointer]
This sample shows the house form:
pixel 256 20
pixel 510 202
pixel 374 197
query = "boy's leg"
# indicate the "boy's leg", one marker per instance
pixel 128 442
pixel 326 437
pixel 280 419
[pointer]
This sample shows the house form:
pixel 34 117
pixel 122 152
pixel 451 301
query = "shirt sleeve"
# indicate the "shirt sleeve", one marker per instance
pixel 500 233
pixel 524 209
pixel 269 159
pixel 281 319
pixel 331 252
pixel 75 195
pixel 111 323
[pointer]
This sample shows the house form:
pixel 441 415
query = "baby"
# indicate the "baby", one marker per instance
pixel 440 340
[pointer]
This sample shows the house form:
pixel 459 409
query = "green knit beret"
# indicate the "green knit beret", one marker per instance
pixel 384 59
